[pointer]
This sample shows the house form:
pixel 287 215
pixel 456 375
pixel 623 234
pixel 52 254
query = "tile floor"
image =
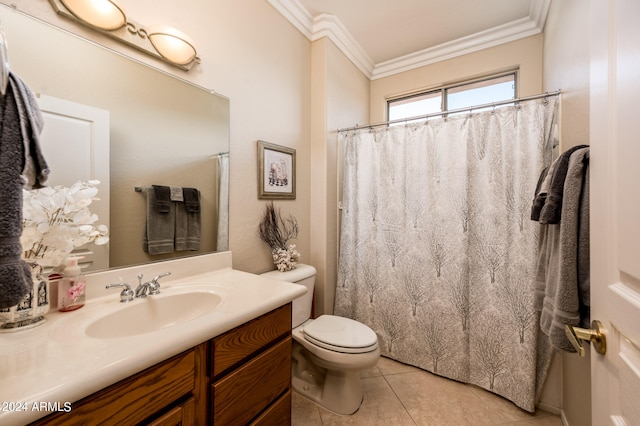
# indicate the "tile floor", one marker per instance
pixel 400 395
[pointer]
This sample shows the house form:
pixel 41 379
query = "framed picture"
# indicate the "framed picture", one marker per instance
pixel 276 172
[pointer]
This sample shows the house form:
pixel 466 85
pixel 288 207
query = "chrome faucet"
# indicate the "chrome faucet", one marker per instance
pixel 126 295
pixel 149 288
pixel 141 290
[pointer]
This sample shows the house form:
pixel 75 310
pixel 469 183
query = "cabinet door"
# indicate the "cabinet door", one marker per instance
pixel 182 415
pixel 243 394
pixel 278 414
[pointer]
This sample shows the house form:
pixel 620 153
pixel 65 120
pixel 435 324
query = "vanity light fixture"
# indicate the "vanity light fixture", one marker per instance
pixel 101 14
pixel 172 44
pixel 108 17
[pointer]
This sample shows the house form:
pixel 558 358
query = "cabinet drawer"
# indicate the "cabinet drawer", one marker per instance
pixel 132 400
pixel 236 345
pixel 276 415
pixel 244 393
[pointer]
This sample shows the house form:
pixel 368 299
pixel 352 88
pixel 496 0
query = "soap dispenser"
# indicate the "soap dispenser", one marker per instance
pixel 71 287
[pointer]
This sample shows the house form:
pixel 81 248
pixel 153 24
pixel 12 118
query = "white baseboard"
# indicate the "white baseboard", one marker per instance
pixel 549 408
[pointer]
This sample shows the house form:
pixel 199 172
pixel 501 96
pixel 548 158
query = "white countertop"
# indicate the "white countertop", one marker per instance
pixel 58 363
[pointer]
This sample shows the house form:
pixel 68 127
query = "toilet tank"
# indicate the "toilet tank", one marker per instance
pixel 304 275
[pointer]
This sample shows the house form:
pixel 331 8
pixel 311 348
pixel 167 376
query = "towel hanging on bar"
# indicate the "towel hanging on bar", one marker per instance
pixel 562 279
pixel 173 220
pixel 159 230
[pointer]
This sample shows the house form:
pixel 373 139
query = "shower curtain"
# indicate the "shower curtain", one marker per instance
pixel 437 249
pixel 223 202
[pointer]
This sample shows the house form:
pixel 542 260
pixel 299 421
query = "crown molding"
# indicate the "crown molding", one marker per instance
pixel 538 12
pixel 326 25
pixel 515 30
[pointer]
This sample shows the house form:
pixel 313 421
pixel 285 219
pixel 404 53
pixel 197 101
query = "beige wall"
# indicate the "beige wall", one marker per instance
pixel 525 54
pixel 262 63
pixel 566 67
pixel 340 98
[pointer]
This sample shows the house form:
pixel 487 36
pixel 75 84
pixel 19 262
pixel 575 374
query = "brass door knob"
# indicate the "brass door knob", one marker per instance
pixel 595 335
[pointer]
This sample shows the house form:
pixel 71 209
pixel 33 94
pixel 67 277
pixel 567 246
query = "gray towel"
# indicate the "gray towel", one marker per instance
pixel 584 252
pixel 20 126
pixel 160 227
pixel 163 198
pixel 35 170
pixel 551 212
pixel 559 268
pixel 188 221
pixel 542 189
pixel 540 195
pixel 191 199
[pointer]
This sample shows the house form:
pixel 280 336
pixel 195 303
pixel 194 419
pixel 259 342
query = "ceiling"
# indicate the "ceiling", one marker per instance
pixel 383 37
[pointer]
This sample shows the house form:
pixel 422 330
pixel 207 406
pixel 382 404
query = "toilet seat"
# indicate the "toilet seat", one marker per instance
pixel 340 335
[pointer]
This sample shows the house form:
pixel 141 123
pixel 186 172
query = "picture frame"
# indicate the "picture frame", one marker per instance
pixel 276 172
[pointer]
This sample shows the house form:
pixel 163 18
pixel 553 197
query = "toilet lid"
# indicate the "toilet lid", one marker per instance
pixel 340 334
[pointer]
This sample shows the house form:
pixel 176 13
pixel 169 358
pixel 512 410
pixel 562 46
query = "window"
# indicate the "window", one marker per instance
pixel 467 94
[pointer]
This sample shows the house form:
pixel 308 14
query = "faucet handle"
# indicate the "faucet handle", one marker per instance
pixel 126 295
pixel 154 285
pixel 155 279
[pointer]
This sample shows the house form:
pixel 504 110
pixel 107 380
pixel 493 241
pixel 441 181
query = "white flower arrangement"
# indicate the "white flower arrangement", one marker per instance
pixel 56 220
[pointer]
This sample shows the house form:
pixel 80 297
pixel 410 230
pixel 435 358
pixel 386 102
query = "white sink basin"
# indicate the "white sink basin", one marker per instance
pixel 153 313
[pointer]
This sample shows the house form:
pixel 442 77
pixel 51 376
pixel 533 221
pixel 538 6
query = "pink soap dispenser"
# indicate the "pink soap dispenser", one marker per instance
pixel 71 287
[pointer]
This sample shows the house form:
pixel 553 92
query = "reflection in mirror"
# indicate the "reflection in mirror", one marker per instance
pixel 162 131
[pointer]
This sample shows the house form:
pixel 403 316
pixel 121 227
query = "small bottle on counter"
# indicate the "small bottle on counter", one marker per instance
pixel 71 287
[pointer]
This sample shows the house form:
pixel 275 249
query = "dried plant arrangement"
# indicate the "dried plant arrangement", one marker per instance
pixel 276 231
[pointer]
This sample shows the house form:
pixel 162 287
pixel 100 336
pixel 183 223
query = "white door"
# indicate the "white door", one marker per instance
pixel 75 143
pixel 615 209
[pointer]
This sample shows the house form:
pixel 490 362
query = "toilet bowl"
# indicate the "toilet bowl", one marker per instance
pixel 328 352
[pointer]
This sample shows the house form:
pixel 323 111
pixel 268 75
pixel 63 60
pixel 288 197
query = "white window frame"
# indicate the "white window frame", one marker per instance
pixel 443 92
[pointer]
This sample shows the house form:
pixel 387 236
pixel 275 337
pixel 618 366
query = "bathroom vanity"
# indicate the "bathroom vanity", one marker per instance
pixel 246 370
pixel 231 364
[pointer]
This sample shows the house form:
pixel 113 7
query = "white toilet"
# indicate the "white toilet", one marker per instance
pixel 328 352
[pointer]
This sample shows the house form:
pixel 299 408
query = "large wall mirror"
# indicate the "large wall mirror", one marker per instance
pixel 162 131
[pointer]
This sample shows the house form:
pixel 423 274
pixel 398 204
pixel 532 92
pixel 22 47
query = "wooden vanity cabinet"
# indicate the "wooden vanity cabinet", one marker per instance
pixel 240 377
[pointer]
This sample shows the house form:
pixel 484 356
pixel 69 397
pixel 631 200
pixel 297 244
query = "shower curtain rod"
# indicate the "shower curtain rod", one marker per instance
pixel 453 111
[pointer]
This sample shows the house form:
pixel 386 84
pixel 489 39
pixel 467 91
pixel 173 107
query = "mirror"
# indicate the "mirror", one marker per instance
pixel 163 130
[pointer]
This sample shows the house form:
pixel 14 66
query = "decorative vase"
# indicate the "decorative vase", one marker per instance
pixel 31 309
